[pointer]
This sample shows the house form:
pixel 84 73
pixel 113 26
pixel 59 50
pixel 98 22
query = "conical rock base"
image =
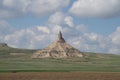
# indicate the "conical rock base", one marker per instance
pixel 58 49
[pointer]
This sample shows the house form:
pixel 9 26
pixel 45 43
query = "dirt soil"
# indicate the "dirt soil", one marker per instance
pixel 60 76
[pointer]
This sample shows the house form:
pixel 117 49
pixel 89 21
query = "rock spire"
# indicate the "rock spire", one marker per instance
pixel 60 38
pixel 58 49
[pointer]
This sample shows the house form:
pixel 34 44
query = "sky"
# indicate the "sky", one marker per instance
pixel 88 25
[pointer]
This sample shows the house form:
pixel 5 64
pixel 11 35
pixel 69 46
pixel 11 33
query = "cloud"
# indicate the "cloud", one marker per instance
pixel 115 37
pixel 115 41
pixel 41 36
pixel 96 8
pixel 93 42
pixel 69 21
pixel 43 29
pixel 57 18
pixel 4 29
pixel 77 35
pixel 41 7
pixel 15 8
pixel 3 24
pixel 62 19
pixel 82 28
pixel 28 38
pixel 89 42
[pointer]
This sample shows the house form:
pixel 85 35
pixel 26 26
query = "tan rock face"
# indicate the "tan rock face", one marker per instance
pixel 58 49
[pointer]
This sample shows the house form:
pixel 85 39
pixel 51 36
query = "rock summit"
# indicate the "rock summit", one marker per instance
pixel 58 49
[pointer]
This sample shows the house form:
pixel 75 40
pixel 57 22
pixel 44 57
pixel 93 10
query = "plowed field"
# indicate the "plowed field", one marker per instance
pixel 60 76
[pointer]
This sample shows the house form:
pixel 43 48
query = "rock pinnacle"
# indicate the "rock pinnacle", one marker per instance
pixel 58 49
pixel 60 38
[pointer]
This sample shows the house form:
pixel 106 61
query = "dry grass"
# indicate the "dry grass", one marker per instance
pixel 60 76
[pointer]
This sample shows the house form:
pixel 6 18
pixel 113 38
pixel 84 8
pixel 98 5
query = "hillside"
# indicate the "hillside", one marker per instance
pixel 91 62
pixel 4 48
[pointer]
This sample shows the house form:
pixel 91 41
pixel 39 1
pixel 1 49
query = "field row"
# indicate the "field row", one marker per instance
pixel 60 76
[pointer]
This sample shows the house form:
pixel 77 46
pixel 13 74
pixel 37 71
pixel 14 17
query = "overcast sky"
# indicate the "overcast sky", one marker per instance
pixel 88 25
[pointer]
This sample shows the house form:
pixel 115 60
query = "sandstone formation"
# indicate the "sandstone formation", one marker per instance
pixel 58 49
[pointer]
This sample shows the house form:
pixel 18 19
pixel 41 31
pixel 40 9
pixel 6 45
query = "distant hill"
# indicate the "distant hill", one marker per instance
pixel 3 45
pixel 4 48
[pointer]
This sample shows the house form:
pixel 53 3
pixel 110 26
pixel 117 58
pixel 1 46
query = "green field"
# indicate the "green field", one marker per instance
pixel 24 63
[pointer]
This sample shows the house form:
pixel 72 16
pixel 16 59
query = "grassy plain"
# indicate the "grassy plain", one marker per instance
pixel 92 62
pixel 92 67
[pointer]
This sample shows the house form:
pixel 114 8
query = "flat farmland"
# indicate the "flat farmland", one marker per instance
pixel 91 67
pixel 60 76
pixel 92 62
